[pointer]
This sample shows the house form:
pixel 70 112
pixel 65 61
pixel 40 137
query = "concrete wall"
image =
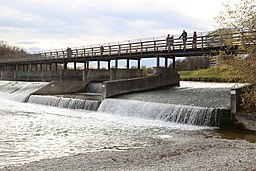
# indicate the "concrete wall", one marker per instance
pixel 62 75
pixel 62 87
pixel 75 75
pixel 235 98
pixel 245 121
pixel 117 74
pixel 68 75
pixel 8 75
pixel 96 75
pixel 166 77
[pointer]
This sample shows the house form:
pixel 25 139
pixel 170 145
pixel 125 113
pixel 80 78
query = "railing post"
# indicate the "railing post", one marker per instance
pixel 92 51
pixel 109 50
pixel 130 45
pixel 141 47
pixel 84 52
pixel 202 41
pixel 119 50
pixel 154 46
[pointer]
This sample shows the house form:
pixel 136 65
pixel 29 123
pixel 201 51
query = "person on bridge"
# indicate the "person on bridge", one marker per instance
pixel 101 50
pixel 194 40
pixel 169 42
pixel 184 36
pixel 69 52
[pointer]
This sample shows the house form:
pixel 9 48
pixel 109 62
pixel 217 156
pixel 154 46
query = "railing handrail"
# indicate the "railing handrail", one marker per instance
pixel 151 44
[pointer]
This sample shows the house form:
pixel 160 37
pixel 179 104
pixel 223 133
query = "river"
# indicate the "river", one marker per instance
pixel 31 132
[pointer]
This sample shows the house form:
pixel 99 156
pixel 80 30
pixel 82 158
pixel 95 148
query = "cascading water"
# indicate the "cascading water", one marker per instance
pixel 205 116
pixel 64 102
pixel 19 91
pixel 192 115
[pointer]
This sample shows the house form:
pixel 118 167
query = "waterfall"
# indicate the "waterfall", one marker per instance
pixel 192 115
pixel 94 87
pixel 64 102
pixel 18 90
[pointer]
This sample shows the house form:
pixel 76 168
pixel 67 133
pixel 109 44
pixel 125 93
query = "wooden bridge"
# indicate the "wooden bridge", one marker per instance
pixel 207 43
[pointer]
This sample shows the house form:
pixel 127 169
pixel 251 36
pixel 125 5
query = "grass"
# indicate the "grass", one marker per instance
pixel 210 74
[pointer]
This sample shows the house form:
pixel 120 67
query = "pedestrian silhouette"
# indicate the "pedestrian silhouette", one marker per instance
pixel 184 36
pixel 169 42
pixel 69 52
pixel 194 40
pixel 172 42
pixel 101 50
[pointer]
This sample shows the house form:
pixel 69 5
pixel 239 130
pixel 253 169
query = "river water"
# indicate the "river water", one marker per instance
pixel 31 132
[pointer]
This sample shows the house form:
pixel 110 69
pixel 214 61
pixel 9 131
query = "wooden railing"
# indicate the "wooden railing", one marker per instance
pixel 154 45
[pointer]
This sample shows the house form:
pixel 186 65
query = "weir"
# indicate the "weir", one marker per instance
pixel 64 102
pixel 192 115
pixel 185 114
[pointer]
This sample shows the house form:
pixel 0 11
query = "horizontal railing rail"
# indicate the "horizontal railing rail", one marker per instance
pixel 153 45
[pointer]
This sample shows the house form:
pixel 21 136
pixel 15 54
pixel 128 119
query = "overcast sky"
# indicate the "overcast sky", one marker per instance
pixel 53 24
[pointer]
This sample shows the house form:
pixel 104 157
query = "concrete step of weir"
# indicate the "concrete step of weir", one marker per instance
pixel 83 96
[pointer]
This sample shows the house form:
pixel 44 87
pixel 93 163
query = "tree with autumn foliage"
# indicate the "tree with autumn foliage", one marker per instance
pixel 240 20
pixel 6 49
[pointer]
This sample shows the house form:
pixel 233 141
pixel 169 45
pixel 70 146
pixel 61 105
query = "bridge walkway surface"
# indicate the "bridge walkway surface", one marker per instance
pixel 207 43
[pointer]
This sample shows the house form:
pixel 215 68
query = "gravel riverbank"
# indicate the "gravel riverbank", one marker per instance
pixel 196 153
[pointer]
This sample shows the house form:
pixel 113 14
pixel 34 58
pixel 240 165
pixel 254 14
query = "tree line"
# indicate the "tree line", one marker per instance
pixel 6 49
pixel 193 63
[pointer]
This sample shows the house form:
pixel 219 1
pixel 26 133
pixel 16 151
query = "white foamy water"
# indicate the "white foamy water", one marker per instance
pixel 194 84
pixel 64 102
pixel 201 94
pixel 17 90
pixel 192 115
pixel 30 132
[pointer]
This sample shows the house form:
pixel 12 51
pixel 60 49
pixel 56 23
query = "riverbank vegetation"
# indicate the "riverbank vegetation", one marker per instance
pixel 209 74
pixel 241 18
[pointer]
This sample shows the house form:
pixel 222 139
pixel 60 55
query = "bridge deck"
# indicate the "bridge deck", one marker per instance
pixel 207 43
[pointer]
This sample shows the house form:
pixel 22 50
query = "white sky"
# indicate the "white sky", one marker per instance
pixel 53 24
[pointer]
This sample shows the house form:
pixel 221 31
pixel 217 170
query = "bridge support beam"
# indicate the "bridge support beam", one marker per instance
pixel 98 64
pixel 166 62
pixel 85 65
pixel 128 64
pixel 139 63
pixel 109 65
pixel 13 68
pixel 116 63
pixel 88 64
pixel 56 66
pixel 173 62
pixel 65 64
pixel 50 65
pixel 157 62
pixel 74 65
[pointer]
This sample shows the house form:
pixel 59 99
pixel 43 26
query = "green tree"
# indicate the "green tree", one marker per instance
pixel 240 20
